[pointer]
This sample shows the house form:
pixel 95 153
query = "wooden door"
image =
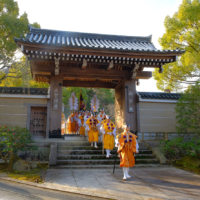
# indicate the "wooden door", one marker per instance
pixel 38 121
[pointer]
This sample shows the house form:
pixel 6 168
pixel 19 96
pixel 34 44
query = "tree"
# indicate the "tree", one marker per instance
pixel 188 111
pixel 67 94
pixel 11 25
pixel 106 96
pixel 19 75
pixel 182 32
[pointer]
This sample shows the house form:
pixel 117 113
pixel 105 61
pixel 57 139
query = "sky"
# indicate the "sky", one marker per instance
pixel 124 17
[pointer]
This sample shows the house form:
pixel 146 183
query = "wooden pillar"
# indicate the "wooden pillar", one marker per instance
pixel 56 103
pixel 125 105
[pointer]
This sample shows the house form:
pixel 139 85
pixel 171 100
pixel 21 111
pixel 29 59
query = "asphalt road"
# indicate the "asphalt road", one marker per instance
pixel 15 191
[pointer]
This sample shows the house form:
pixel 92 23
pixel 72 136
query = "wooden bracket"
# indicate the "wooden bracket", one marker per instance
pixel 84 65
pixel 110 65
pixel 161 69
pixel 137 82
pixel 22 48
pixel 135 71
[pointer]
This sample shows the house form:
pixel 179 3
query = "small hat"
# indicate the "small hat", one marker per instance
pixel 108 117
pixel 126 125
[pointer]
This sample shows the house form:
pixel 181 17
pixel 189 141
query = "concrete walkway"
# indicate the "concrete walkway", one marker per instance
pixel 146 183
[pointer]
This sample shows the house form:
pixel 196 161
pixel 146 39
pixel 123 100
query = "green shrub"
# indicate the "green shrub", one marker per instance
pixel 172 148
pixel 188 111
pixel 13 140
pixel 177 148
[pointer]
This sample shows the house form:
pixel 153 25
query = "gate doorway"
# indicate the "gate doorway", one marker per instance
pixel 38 122
pixel 105 96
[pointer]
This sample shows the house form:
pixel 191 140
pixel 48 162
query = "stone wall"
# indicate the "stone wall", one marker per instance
pixel 13 108
pixel 42 154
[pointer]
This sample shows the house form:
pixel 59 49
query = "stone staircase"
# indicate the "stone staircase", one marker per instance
pixel 80 155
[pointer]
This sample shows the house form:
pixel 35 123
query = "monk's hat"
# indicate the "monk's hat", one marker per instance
pixel 108 117
pixel 126 125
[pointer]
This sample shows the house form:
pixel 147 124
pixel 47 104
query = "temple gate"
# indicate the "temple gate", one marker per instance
pixel 73 59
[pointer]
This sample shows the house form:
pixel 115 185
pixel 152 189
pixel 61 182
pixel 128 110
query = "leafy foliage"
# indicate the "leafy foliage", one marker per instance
pixel 13 140
pixel 172 148
pixel 106 96
pixel 188 119
pixel 188 111
pixel 178 147
pixel 182 32
pixel 12 25
pixel 19 75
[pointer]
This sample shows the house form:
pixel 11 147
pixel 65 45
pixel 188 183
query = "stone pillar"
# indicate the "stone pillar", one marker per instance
pixel 56 103
pixel 125 105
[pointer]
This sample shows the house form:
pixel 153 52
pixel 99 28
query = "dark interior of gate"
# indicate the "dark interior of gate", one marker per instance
pixel 71 59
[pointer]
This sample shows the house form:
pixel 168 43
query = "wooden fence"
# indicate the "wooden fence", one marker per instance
pixel 155 136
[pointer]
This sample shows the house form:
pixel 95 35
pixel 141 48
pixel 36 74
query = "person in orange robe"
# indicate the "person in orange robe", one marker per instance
pixel 127 146
pixel 76 119
pixel 108 130
pixel 81 124
pixel 92 127
pixel 71 124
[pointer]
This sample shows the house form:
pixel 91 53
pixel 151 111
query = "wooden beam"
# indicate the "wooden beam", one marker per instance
pixel 89 84
pixel 94 76
pixel 44 76
pixel 100 74
pixel 87 73
pixel 143 75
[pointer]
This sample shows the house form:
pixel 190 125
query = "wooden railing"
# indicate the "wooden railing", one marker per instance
pixel 153 136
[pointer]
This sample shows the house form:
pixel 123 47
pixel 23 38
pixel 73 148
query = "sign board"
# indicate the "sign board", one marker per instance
pixel 55 97
pixel 130 101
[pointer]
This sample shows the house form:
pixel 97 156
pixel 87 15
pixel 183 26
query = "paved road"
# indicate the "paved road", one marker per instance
pixel 16 191
pixel 146 183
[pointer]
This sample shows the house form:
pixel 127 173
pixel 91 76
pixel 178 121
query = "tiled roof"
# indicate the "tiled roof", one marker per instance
pixel 159 95
pixel 91 41
pixel 21 90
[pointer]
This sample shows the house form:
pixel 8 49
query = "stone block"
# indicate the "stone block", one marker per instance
pixel 53 154
pixel 21 165
pixel 156 150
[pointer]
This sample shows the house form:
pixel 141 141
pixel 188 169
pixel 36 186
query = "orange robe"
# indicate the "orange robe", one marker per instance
pixel 71 125
pixel 82 128
pixel 93 133
pixel 127 149
pixel 108 139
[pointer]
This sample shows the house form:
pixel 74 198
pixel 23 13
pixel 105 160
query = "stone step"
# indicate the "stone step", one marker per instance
pixel 82 152
pixel 77 143
pixel 86 143
pixel 137 165
pixel 89 148
pixel 98 156
pixel 103 161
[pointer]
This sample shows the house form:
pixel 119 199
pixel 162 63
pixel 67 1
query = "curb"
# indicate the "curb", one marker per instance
pixel 70 190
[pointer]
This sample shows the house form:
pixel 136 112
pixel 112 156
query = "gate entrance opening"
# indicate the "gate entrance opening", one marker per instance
pixel 68 59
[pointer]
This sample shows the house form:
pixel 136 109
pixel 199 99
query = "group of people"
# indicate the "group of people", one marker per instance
pixel 98 126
